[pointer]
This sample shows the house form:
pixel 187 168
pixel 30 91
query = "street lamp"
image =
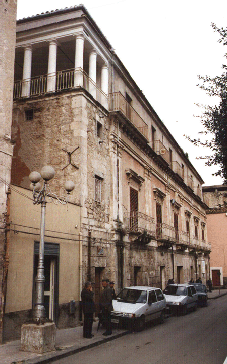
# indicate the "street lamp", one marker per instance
pixel 40 193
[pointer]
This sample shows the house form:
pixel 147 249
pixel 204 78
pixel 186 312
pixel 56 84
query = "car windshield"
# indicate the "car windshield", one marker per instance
pixel 200 288
pixel 175 291
pixel 132 296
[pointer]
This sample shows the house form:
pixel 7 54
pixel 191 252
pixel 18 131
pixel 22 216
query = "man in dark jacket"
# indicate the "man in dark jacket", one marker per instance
pixel 106 306
pixel 88 307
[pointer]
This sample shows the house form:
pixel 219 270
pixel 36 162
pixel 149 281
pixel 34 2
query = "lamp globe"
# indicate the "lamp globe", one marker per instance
pixel 34 177
pixel 69 186
pixel 47 173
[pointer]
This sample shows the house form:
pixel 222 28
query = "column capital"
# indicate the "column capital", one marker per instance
pixel 28 47
pixel 105 66
pixel 53 42
pixel 79 36
pixel 93 51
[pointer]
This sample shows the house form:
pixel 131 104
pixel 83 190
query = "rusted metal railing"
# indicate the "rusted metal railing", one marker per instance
pixel 136 221
pixel 117 102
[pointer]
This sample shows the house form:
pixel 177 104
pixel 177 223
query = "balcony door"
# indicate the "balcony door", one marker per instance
pixel 133 209
pixel 158 220
pixel 176 227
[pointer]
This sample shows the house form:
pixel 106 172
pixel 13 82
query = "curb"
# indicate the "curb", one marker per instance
pixel 221 295
pixel 70 351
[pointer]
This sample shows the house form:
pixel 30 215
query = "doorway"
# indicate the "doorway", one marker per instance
pixel 51 274
pixel 137 280
pixel 179 274
pixel 99 274
pixel 216 277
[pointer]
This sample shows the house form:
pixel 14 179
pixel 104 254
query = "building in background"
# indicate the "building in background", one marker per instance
pixel 142 215
pixel 216 198
pixel 8 11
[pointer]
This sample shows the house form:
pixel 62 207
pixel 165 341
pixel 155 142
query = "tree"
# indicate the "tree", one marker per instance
pixel 214 118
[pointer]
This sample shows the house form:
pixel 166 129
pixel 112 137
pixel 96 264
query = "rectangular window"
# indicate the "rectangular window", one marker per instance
pixel 99 129
pixel 196 231
pixel 98 189
pixel 203 235
pixel 128 106
pixel 153 131
pixel 170 158
pixel 158 220
pixel 29 114
pixel 188 227
pixel 176 226
pixel 182 171
pixel 133 209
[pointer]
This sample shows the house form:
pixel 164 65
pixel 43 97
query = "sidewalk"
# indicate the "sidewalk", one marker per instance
pixel 215 293
pixel 68 341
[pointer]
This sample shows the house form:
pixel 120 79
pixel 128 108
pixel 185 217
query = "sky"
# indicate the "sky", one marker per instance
pixel 164 45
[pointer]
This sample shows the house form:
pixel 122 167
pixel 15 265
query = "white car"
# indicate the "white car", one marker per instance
pixel 137 305
pixel 180 298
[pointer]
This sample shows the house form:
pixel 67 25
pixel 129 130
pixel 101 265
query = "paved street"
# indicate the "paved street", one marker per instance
pixel 199 337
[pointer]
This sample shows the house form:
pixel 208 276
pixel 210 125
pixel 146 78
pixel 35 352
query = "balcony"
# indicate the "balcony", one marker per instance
pixel 118 103
pixel 190 182
pixel 166 233
pixel 177 168
pixel 161 150
pixel 185 238
pixel 137 222
pixel 64 80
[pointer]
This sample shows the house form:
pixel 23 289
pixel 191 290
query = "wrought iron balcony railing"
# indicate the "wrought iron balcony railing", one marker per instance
pixel 117 102
pixel 138 222
pixel 62 80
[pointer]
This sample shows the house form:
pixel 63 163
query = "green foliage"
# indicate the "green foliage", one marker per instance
pixel 214 118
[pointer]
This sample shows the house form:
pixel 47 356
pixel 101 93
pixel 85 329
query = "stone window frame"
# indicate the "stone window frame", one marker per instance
pixel 98 188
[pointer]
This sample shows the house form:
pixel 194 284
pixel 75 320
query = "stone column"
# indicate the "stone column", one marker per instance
pixel 92 73
pixel 27 69
pixel 104 86
pixel 51 73
pixel 79 61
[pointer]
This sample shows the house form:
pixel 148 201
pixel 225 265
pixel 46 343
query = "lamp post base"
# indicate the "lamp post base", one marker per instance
pixel 38 338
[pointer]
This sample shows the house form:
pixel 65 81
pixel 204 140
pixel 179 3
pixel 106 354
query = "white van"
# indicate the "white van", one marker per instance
pixel 137 305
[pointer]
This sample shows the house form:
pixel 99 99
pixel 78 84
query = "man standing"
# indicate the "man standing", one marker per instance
pixel 88 307
pixel 106 306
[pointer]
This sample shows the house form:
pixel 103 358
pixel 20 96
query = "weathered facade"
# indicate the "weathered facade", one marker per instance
pixel 77 108
pixel 216 198
pixel 7 50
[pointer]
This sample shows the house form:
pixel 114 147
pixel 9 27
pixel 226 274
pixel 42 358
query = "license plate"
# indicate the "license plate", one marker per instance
pixel 115 321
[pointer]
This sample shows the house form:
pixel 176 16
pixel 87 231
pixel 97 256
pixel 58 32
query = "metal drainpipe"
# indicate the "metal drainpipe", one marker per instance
pixel 173 261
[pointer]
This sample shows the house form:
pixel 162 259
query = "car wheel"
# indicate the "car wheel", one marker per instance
pixel 140 323
pixel 162 317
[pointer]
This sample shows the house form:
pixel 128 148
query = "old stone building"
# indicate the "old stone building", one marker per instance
pixel 8 11
pixel 76 107
pixel 216 199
